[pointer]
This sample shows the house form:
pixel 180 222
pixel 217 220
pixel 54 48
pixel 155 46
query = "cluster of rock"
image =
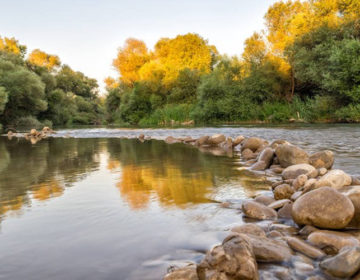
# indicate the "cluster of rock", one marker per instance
pixel 34 136
pixel 306 229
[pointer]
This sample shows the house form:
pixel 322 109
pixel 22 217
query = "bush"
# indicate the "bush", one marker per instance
pixel 28 122
pixel 178 113
pixel 349 113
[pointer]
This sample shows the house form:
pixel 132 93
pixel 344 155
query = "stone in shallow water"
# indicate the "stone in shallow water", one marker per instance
pixel 252 143
pixel 249 229
pixel 290 155
pixel 353 193
pixel 269 250
pixel 188 273
pixel 258 211
pixel 279 203
pixel 283 191
pixel 324 208
pixel 294 171
pixel 264 199
pixel 305 248
pixel 234 258
pixel 343 265
pixel 335 178
pixel 247 154
pixel 332 241
pixel 238 140
pixel 323 159
pixel 216 139
pixel 285 211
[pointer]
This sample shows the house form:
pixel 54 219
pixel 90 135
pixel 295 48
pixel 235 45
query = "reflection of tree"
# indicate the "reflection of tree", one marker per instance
pixel 174 174
pixel 138 183
pixel 40 171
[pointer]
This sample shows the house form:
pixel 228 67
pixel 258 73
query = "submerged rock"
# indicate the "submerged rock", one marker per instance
pixel 258 211
pixel 234 259
pixel 324 208
pixel 290 155
pixel 335 178
pixel 343 265
pixel 294 171
pixel 322 159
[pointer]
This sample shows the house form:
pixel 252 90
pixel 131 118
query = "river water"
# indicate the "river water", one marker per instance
pixel 100 207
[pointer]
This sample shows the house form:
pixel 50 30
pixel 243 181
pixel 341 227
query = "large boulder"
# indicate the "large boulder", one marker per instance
pixel 216 139
pixel 324 208
pixel 258 211
pixel 290 155
pixel 269 250
pixel 187 272
pixel 343 265
pixel 332 241
pixel 294 171
pixel 322 159
pixel 335 178
pixel 234 259
pixel 252 143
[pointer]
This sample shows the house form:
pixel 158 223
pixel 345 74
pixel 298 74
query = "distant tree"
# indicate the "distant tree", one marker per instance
pixel 76 82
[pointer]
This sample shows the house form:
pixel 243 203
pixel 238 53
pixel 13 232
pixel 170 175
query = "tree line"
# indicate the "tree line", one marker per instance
pixel 304 65
pixel 37 90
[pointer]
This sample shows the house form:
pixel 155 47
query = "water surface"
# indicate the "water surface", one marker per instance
pixel 92 208
pixel 100 207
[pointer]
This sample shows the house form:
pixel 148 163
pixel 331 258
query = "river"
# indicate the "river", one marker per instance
pixel 96 206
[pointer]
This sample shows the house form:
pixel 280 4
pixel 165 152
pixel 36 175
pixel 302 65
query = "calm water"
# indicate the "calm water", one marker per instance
pixel 100 207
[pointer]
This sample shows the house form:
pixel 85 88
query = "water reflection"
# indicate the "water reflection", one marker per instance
pixel 43 170
pixel 171 175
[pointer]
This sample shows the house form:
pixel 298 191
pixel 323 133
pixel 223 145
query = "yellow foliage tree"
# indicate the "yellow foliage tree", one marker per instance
pixel 184 51
pixel 42 59
pixel 130 59
pixel 11 45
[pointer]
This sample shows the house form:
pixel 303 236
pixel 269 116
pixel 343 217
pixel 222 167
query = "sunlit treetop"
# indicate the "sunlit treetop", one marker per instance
pixel 130 59
pixel 184 51
pixel 42 59
pixel 12 45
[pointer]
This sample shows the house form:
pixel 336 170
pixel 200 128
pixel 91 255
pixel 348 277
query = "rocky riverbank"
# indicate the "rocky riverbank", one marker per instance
pixel 307 228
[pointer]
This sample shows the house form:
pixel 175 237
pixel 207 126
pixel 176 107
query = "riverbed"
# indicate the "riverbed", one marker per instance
pixel 88 204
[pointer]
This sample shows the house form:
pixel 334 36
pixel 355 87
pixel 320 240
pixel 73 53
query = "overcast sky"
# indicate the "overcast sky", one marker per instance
pixel 86 33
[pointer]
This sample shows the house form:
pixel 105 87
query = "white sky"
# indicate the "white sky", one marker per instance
pixel 86 33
